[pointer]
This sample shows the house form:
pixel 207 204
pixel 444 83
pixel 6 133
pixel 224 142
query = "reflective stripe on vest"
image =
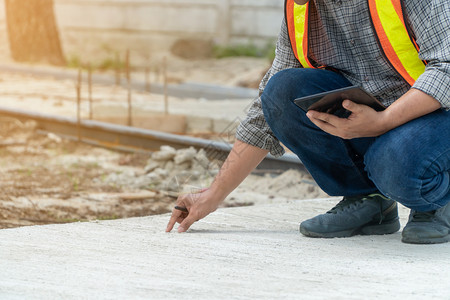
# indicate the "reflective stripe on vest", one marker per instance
pixel 399 48
pixel 389 24
pixel 297 21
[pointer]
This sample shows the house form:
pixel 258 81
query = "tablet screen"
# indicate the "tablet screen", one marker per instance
pixel 331 101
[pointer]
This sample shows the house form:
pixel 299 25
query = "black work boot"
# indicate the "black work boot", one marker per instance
pixel 432 227
pixel 367 215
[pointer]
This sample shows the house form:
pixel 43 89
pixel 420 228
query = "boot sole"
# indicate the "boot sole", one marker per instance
pixel 368 229
pixel 417 240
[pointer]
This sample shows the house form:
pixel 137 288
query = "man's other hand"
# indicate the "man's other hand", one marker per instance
pixel 363 121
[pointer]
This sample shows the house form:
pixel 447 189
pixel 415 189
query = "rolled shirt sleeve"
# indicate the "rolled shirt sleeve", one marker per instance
pixel 433 38
pixel 254 129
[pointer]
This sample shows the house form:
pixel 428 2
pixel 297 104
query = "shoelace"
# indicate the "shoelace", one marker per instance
pixel 348 201
pixel 423 216
pixel 345 202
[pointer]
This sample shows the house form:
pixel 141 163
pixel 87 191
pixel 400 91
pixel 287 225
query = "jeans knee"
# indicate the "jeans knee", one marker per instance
pixel 276 97
pixel 287 85
pixel 290 84
pixel 272 109
pixel 399 173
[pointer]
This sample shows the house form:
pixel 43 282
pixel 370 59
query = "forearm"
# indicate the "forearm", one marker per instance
pixel 411 105
pixel 243 158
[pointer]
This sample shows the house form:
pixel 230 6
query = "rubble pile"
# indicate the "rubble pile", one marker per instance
pixel 175 169
pixel 187 170
pixel 292 184
pixel 170 170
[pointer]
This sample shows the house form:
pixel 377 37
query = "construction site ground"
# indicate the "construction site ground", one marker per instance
pixel 253 252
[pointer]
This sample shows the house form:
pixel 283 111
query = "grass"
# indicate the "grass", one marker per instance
pixel 28 172
pixel 112 217
pixel 250 50
pixel 107 64
pixel 70 220
pixel 75 184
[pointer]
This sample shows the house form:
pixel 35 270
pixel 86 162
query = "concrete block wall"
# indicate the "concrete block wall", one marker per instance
pixel 94 30
pixel 255 20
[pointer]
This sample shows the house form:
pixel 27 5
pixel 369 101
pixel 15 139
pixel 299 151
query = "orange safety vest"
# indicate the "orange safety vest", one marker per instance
pixel 395 39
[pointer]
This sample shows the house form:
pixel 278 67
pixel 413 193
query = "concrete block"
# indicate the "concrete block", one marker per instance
pixel 145 16
pixel 265 22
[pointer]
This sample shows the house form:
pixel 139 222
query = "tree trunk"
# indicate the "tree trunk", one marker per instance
pixel 33 35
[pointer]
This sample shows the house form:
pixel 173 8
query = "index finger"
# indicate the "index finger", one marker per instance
pixel 173 219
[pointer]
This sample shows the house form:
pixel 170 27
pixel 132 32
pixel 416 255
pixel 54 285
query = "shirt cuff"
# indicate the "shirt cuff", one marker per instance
pixel 254 136
pixel 435 81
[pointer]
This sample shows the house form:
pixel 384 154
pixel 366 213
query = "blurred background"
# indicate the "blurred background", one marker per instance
pixel 112 108
pixel 93 31
pixel 214 45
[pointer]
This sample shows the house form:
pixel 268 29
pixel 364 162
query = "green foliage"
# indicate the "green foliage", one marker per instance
pixel 108 217
pixel 107 64
pixel 251 50
pixel 70 220
pixel 73 62
pixel 75 183
pixel 110 64
pixel 28 172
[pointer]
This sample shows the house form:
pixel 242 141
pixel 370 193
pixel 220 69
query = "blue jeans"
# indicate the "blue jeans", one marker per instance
pixel 409 164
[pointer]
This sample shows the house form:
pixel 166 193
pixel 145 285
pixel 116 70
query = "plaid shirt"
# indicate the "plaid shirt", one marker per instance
pixel 342 37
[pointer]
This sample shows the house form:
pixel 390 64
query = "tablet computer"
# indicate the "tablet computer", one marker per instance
pixel 331 101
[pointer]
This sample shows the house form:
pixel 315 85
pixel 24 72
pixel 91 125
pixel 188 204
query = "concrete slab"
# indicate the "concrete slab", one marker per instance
pixel 235 253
